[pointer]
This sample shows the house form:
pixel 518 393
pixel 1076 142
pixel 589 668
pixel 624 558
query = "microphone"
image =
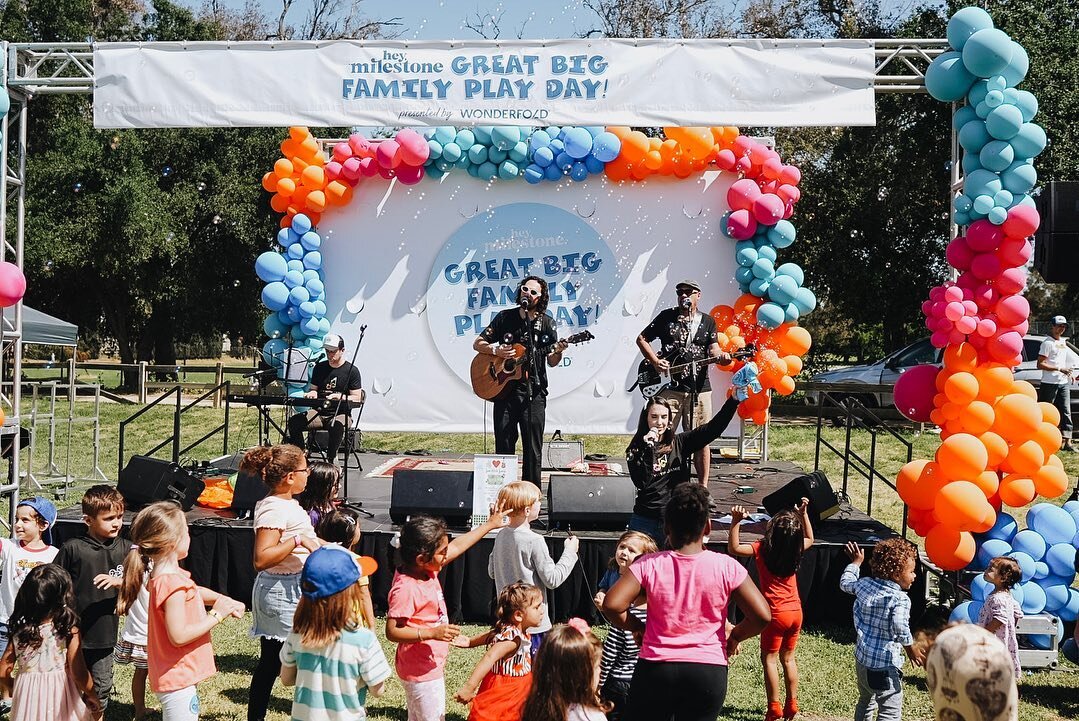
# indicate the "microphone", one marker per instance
pixel 687 303
pixel 525 301
pixel 259 373
pixel 651 437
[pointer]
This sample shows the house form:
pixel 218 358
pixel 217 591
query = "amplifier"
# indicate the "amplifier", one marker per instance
pixel 561 455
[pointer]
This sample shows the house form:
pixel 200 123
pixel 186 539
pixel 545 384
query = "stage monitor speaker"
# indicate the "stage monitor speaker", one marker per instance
pixel 561 455
pixel 444 494
pixel 249 490
pixel 1056 242
pixel 823 502
pixel 145 480
pixel 590 503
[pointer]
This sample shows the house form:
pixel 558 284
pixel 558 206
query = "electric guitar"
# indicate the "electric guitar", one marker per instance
pixel 651 381
pixel 490 374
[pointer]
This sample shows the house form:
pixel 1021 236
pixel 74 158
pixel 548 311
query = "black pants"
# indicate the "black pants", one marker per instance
pixel 1061 397
pixel 616 690
pixel 690 691
pixel 99 664
pixel 513 420
pixel 262 680
pixel 312 421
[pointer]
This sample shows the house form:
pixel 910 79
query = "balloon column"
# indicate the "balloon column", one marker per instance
pixel 997 441
pixel 305 183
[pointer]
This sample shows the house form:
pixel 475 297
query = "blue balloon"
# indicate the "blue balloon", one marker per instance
pixel 1070 610
pixel 606 146
pixel 1026 564
pixel 782 289
pixel 578 142
pixel 307 309
pixel 991 549
pixel 272 351
pixel 980 588
pixel 973 135
pixel 966 22
pixel 770 315
pixel 543 157
pixel 961 613
pixel 996 155
pixel 552 172
pixel 294 278
pixel 793 270
pixel 1056 596
pixel 1004 528
pixel 1029 141
pixel 1061 559
pixel 988 52
pixel 310 326
pixel 295 251
pixel 538 139
pixel 564 161
pixel 791 313
pixel 320 307
pixel 533 174
pixel 594 164
pixel 310 240
pixel 1003 122
pixel 1041 570
pixel 315 287
pixel 313 260
pixel 1033 598
pixel 275 295
pixel 1017 66
pixel 298 295
pixel 273 327
pixel 947 79
pixel 556 146
pixel 505 137
pixel 1030 542
pixel 301 223
pixel 286 237
pixel 578 171
pixel 271 266
pixel 1071 507
pixel 1053 523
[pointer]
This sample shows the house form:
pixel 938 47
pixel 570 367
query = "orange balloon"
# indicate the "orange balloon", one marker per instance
pixel 951 412
pixel 960 505
pixel 1050 414
pixel 759 418
pixel 1017 417
pixel 921 522
pixel 298 165
pixel 1016 490
pixel 950 549
pixel 922 493
pixel 988 482
pixel 1024 458
pixel 794 364
pixel 976 417
pixel 298 133
pixel 283 168
pixel 993 381
pixel 279 203
pixel 316 201
pixel 1054 461
pixel 962 357
pixel 289 147
pixel 723 315
pixel 995 446
pixel 797 341
pixel 1049 438
pixel 617 170
pixel 1026 389
pixel 1050 481
pixel 338 193
pixel 314 177
pixel 653 160
pixel 269 182
pixel 634 146
pixel 962 456
pixel 908 476
pixel 308 149
pixel 988 519
pixel 286 186
pixel 961 387
pixel 936 417
pixel 785 386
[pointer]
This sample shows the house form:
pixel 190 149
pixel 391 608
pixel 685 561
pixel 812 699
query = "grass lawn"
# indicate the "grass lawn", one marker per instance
pixel 826 656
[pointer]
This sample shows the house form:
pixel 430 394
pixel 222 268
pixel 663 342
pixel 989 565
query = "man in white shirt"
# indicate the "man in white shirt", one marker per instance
pixel 1055 360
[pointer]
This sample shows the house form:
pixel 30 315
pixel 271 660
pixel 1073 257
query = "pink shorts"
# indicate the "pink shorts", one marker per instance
pixel 425 700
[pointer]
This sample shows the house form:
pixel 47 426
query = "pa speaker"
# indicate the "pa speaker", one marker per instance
pixel 249 490
pixel 1056 243
pixel 145 480
pixel 444 494
pixel 591 503
pixel 814 486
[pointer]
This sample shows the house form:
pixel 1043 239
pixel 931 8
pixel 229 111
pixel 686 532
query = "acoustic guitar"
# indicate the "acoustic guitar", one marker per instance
pixel 652 381
pixel 490 374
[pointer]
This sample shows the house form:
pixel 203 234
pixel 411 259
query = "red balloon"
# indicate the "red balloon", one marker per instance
pixel 914 392
pixel 983 236
pixel 1022 221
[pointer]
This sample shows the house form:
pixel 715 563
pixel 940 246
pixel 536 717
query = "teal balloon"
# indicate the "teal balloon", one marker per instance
pixel 983 109
pixel 5 102
pixel 445 134
pixel 962 116
pixel 451 152
pixel 1003 122
pixel 997 155
pixel 965 23
pixel 508 170
pixel 791 313
pixel 763 268
pixel 997 215
pixel 483 134
pixel 496 156
pixel 519 152
pixel 792 270
pixel 273 327
pixel 805 300
pixel 977 92
pixel 273 350
pixel 434 151
pixel 1002 199
pixel 275 295
pixel 770 315
pixel 435 171
pixel 994 98
pixel 271 266
pixel 981 182
pixel 1025 101
pixel 744 276
pixel 782 234
pixel 983 204
pixel 988 52
pixel 947 79
pixel 487 171
pixel 1029 141
pixel 505 137
pixel 477 154
pixel 1019 177
pixel 746 257
pixel 465 138
pixel 767 251
pixel 973 136
pixel 962 203
pixel 1017 67
pixel 971 162
pixel 759 287
pixel 782 289
pixel 962 218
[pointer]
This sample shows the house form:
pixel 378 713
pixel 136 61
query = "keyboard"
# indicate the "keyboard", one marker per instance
pixel 320 404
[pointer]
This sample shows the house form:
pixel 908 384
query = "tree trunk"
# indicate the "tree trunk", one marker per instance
pixel 116 319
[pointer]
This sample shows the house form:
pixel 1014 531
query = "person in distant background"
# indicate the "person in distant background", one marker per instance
pixel 1056 362
pixel 334 379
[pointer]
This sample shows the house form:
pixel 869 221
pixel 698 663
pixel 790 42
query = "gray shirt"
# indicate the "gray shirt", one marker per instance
pixel 520 554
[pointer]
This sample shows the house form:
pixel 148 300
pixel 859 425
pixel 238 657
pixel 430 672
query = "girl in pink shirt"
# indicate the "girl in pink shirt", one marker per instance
pixel 178 639
pixel 681 673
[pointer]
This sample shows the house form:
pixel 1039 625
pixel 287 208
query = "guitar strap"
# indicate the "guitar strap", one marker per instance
pixel 694 324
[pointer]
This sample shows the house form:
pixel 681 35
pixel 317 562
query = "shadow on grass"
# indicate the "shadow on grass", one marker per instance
pixel 278 703
pixel 1061 699
pixel 836 633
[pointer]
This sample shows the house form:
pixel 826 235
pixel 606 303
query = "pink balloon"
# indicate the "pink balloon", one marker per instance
pixel 939 340
pixel 388 154
pixel 987 328
pixel 1011 281
pixel 985 266
pixel 927 308
pixel 342 151
pixel 938 308
pixel 789 193
pixel 386 173
pixel 953 294
pixel 768 209
pixel 983 236
pixel 937 294
pixel 790 175
pixel 959 254
pixel 410 174
pixel 350 170
pixel 1022 221
pixel 985 296
pixel 414 148
pixel 726 159
pixel 970 307
pixel 978 342
pixel 966 325
pixel 369 167
pixel 954 311
pixel 360 147
pixel 772 167
pixel 1006 346
pixel 333 170
pixel 1022 328
pixel 1012 310
pixel 956 337
pixel 741 225
pixel 914 392
pixel 742 193
pixel 12 284
pixel 967 280
pixel 743 163
pixel 1014 252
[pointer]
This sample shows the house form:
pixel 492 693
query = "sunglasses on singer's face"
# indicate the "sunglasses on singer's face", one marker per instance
pixel 531 291
pixel 686 291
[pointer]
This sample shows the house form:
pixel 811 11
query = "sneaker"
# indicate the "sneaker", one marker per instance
pixel 5 706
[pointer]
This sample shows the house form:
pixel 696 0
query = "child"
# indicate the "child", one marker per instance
pixel 630 545
pixel 284 537
pixel 342 526
pixel 620 648
pixel 179 654
pixel 323 483
pixel 500 682
pixel 882 622
pixel 30 548
pixel 131 648
pixel 417 619
pixel 686 643
pixel 331 659
pixel 53 682
pixel 520 554
pixel 788 535
pixel 565 686
pixel 96 565
pixel 1000 612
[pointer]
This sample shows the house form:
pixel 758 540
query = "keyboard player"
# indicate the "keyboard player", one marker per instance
pixel 333 379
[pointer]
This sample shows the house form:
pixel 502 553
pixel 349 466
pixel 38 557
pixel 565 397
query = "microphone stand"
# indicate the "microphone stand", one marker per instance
pixel 358 505
pixel 529 370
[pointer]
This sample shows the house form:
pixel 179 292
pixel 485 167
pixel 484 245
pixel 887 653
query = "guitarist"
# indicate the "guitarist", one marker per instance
pixel 685 334
pixel 521 407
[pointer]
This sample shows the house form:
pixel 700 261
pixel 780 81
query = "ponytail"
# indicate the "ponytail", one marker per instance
pixel 155 532
pixel 273 463
pixel 135 567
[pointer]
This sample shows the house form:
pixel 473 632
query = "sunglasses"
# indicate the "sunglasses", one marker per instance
pixel 531 292
pixel 686 291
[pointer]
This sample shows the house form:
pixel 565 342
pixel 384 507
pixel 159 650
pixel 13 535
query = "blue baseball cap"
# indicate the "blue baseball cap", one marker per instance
pixel 45 509
pixel 329 570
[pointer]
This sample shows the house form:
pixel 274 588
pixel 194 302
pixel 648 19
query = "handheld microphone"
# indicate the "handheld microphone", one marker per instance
pixel 687 303
pixel 651 437
pixel 525 301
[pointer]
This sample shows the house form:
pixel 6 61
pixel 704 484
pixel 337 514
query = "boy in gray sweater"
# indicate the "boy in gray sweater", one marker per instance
pixel 520 554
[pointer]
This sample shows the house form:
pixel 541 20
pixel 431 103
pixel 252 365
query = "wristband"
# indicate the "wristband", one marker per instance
pixel 418 635
pixel 214 612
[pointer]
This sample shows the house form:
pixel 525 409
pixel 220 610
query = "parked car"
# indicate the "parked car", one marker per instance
pixel 887 371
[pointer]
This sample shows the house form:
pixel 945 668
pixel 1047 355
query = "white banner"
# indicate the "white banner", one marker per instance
pixel 657 82
pixel 426 267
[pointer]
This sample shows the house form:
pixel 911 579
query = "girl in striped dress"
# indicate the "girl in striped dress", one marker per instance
pixel 501 680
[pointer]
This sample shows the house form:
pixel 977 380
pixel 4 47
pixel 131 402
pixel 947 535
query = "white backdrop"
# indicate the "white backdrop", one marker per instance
pixel 392 255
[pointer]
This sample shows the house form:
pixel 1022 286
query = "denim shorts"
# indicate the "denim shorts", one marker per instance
pixel 273 604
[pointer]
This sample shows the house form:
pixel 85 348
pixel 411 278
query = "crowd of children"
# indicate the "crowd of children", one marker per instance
pixel 313 614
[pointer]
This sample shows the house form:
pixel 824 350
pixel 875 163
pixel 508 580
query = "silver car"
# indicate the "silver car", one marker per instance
pixel 887 371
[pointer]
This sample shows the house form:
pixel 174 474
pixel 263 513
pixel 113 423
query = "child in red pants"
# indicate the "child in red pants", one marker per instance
pixel 778 554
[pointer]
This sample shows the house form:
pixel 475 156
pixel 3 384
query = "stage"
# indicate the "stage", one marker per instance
pixel 222 545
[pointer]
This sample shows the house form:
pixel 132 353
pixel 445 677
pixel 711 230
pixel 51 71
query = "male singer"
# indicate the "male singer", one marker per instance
pixel 333 379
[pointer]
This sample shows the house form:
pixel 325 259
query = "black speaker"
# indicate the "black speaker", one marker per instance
pixel 249 490
pixel 823 502
pixel 1056 243
pixel 592 503
pixel 145 480
pixel 444 494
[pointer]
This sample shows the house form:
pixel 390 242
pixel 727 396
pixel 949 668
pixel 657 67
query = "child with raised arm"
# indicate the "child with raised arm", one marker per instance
pixel 520 554
pixel 788 535
pixel 1000 613
pixel 882 622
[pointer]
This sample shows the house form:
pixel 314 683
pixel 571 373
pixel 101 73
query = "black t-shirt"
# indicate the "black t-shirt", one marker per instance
pixel 85 557
pixel 342 379
pixel 671 328
pixel 509 327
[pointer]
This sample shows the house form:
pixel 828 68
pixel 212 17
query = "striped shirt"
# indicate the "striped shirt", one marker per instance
pixel 331 682
pixel 518 663
pixel 620 651
pixel 881 619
